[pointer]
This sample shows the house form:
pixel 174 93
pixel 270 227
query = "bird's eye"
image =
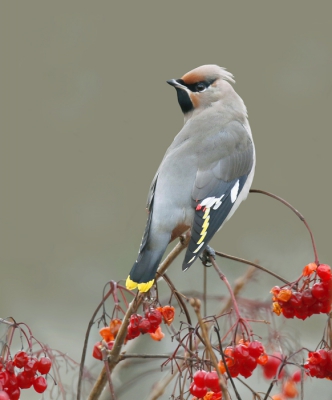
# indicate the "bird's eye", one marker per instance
pixel 200 87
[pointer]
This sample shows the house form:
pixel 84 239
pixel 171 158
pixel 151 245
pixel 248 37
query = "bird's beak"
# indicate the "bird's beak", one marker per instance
pixel 176 84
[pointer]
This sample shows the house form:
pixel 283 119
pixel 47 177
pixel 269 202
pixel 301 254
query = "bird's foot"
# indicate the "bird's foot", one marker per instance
pixel 207 253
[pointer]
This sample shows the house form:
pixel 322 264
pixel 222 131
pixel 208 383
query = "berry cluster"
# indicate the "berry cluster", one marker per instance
pixel 319 364
pixel 243 358
pixel 202 381
pixel 302 302
pixel 138 325
pixel 141 325
pixel 12 380
pixel 108 333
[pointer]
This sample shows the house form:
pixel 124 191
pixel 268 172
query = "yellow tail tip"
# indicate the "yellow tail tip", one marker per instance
pixel 144 287
pixel 130 285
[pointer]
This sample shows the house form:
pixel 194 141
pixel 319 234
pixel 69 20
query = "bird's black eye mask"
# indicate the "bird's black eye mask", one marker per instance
pixel 198 86
pixel 183 97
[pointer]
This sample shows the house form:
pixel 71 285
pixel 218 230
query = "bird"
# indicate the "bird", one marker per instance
pixel 206 172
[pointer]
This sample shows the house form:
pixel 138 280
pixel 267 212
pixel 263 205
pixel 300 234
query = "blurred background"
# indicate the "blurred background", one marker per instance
pixel 87 116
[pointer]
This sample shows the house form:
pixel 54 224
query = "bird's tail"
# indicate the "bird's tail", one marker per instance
pixel 144 270
pixel 150 253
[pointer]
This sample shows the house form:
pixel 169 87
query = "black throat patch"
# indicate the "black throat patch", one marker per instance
pixel 184 100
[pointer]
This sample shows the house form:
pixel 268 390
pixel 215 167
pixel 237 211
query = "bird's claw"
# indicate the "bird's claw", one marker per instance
pixel 205 257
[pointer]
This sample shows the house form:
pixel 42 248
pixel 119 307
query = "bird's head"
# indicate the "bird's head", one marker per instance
pixel 201 87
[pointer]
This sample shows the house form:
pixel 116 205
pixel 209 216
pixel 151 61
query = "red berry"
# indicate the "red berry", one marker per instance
pixel 302 312
pixel 244 370
pixel 296 299
pixel 324 272
pixel 132 332
pixel 31 365
pixel 319 291
pixel 241 352
pixel 271 367
pixel 96 353
pixel 307 298
pixel 250 363
pixel 44 365
pixel 326 306
pixel 24 380
pixel 12 381
pixel 4 375
pixel 288 312
pixel 20 359
pixel 135 319
pixel 144 326
pixel 14 393
pixel 154 316
pixel 197 391
pixel 10 367
pixel 255 348
pixel 211 380
pixel 318 357
pixel 315 308
pixel 4 395
pixel 199 378
pixel 40 384
pixel 234 370
pixel 296 377
pixel 328 287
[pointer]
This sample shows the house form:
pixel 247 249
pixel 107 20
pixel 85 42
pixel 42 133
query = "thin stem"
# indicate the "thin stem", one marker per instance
pixel 229 287
pixel 297 213
pixel 204 291
pixel 244 261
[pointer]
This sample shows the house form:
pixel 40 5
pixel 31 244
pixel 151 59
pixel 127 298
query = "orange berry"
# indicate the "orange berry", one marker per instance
pixel 168 313
pixel 229 351
pixel 158 335
pixel 106 334
pixel 213 396
pixel 278 396
pixel 221 367
pixel 263 359
pixel 289 389
pixel 284 295
pixel 276 308
pixel 115 326
pixel 309 269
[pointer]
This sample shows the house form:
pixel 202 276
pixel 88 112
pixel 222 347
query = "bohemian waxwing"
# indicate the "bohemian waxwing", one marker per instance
pixel 205 174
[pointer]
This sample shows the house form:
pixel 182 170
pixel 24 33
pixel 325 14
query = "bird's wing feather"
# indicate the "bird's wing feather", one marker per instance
pixel 217 186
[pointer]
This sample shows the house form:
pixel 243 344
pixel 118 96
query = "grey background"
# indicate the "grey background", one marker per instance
pixel 86 116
